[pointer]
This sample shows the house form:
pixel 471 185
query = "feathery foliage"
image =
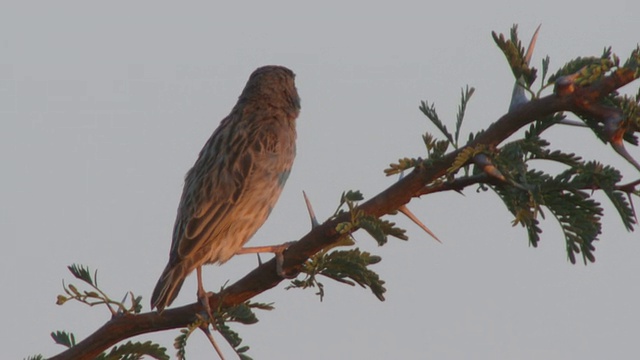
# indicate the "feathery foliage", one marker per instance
pixel 346 266
pixel 515 55
pixel 135 351
pixel 96 296
pixel 241 313
pixel 127 351
pixel 528 192
pixel 350 266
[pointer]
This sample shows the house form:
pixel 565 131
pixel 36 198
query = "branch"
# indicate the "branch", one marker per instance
pixel 567 97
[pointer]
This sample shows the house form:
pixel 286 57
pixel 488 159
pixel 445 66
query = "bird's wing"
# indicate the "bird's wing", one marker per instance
pixel 217 194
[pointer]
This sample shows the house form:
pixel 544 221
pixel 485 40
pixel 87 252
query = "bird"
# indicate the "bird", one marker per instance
pixel 235 182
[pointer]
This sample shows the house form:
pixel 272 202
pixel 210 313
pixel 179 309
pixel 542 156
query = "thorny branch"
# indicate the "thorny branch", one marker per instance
pixel 567 97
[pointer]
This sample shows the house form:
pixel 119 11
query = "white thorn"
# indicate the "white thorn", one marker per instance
pixel 572 123
pixel 312 215
pixel 532 45
pixel 518 96
pixel 405 210
pixel 487 166
pixel 212 340
pixel 622 151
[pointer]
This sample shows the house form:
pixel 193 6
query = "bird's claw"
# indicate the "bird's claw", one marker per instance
pixel 280 261
pixel 204 301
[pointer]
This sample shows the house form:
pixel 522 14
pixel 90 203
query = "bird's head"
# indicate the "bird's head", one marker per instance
pixel 272 83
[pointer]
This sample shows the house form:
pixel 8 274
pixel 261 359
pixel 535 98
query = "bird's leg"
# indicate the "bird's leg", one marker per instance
pixel 278 250
pixel 203 297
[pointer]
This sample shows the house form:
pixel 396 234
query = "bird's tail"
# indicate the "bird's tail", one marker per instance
pixel 168 286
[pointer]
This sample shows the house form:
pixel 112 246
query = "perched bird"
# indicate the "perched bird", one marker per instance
pixel 235 182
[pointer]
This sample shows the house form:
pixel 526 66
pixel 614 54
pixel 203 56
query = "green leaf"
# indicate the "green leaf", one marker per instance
pixel 630 111
pixel 135 350
pixel 64 338
pixel 380 229
pixel 465 156
pixel 633 62
pixel 464 100
pixel 345 266
pixel 430 112
pixel 403 164
pixel 136 305
pixel 545 68
pixel 241 313
pixel 590 69
pixel 82 273
pixel 232 337
pixel 390 228
pixel 371 225
pixel 596 175
pixel 352 196
pixel 540 125
pixel 180 342
pixel 514 52
pixel 344 228
pixel 349 198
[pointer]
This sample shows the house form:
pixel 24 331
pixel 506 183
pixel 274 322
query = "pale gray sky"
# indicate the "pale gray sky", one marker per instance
pixel 104 107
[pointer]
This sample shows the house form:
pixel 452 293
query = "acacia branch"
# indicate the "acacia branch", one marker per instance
pixel 566 98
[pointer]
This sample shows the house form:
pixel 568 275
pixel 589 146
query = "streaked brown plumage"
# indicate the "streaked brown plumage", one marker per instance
pixel 236 180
